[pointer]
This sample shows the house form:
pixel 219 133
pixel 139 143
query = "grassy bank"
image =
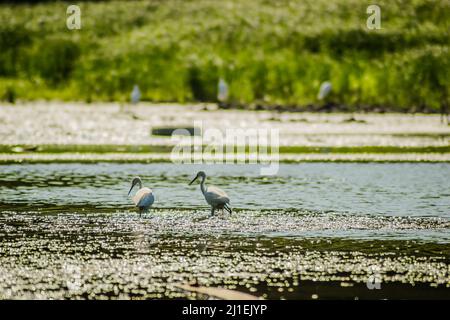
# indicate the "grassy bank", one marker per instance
pixel 274 52
pixel 163 149
pixel 157 153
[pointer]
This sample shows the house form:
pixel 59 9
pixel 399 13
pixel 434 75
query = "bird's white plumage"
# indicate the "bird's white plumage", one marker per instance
pixel 143 198
pixel 324 91
pixel 216 196
pixel 222 94
pixel 135 94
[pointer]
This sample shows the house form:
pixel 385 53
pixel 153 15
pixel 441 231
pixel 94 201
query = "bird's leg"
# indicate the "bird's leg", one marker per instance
pixel 212 211
pixel 226 207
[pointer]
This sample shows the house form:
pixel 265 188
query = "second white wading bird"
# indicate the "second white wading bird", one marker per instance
pixel 324 91
pixel 135 94
pixel 144 198
pixel 215 197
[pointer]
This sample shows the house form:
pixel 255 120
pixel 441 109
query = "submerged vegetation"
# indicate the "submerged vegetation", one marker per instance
pixel 272 52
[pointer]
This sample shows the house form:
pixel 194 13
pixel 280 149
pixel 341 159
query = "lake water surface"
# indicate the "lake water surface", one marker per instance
pixel 70 231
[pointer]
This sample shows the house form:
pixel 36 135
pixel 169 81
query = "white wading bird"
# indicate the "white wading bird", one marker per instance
pixel 143 199
pixel 135 94
pixel 324 91
pixel 222 91
pixel 216 197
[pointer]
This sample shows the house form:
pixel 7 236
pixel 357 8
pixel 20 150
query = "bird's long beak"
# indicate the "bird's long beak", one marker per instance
pixel 193 180
pixel 132 186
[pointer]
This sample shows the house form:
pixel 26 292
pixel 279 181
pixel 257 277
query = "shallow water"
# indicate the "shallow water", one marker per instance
pixel 69 231
pixel 408 189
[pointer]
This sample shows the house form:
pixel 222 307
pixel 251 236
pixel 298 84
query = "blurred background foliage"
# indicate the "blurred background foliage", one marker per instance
pixel 271 52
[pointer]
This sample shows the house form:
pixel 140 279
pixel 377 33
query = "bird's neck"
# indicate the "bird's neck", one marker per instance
pixel 202 185
pixel 139 184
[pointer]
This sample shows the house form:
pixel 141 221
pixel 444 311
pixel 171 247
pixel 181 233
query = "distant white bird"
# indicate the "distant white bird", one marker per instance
pixel 215 197
pixel 135 94
pixel 143 199
pixel 222 90
pixel 324 91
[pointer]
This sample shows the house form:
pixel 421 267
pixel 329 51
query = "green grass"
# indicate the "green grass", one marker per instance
pixel 52 149
pixel 273 52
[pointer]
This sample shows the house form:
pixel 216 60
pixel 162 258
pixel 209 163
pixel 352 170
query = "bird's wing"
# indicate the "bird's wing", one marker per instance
pixel 216 195
pixel 143 198
pixel 146 200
